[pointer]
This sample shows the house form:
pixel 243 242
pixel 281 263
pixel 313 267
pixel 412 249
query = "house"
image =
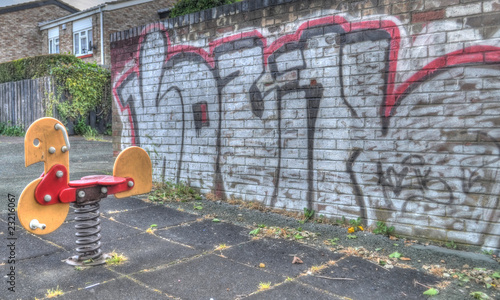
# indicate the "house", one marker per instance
pixel 86 34
pixel 20 35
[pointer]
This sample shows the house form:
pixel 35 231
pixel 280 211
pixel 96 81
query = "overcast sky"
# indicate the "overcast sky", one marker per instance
pixel 80 4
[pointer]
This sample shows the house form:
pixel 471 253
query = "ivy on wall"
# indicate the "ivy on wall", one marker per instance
pixel 184 7
pixel 82 87
pixel 32 67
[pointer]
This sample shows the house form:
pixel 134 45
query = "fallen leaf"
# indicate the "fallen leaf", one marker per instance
pixel 297 260
pixel 393 238
pixel 262 265
pixel 431 292
pixel 395 255
pixel 405 258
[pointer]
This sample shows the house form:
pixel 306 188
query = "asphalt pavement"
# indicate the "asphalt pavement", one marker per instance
pixel 179 251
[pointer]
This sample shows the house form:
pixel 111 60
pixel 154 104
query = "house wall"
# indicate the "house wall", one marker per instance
pixel 125 18
pixel 384 110
pixel 20 36
pixel 114 20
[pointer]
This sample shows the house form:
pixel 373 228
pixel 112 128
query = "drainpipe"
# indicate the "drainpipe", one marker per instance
pixel 102 35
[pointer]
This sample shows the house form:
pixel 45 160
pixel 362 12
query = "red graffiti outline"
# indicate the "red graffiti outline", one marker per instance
pixel 469 55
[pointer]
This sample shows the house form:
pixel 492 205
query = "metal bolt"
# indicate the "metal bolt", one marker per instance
pixel 130 183
pixel 81 194
pixel 104 190
pixel 59 174
pixel 64 149
pixel 47 198
pixel 52 150
pixel 34 224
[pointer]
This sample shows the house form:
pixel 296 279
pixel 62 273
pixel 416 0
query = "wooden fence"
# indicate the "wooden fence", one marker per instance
pixel 22 102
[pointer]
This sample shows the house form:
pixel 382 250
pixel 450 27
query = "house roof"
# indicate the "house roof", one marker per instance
pixel 106 6
pixel 8 6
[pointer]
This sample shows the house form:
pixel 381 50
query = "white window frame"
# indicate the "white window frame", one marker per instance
pixel 53 34
pixel 83 41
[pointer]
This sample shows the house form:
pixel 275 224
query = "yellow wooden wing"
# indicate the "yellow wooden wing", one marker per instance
pixel 29 211
pixel 134 162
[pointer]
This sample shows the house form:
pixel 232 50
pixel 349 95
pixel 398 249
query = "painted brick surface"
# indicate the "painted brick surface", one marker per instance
pixel 382 110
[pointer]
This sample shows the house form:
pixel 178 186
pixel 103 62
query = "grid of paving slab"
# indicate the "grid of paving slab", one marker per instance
pixel 179 260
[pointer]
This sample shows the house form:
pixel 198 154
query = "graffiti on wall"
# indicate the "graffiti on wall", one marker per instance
pixel 347 117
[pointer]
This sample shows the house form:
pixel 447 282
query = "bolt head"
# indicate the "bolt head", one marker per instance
pixel 64 149
pixel 52 150
pixel 81 194
pixel 47 198
pixel 104 190
pixel 130 183
pixel 59 174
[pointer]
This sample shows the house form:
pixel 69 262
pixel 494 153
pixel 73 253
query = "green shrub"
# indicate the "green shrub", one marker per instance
pixel 84 87
pixel 11 130
pixel 383 229
pixel 184 7
pixel 32 67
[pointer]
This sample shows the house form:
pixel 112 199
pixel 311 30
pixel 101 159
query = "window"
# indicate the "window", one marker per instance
pixel 54 40
pixel 82 37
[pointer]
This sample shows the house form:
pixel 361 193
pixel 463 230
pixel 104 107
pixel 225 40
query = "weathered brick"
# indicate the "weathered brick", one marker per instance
pixel 297 109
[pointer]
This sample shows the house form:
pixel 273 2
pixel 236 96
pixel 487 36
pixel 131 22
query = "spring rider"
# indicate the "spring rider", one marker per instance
pixel 44 203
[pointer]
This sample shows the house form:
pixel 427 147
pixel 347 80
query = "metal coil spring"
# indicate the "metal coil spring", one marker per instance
pixel 88 229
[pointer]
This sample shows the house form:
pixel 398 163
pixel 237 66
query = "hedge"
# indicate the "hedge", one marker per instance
pixel 33 67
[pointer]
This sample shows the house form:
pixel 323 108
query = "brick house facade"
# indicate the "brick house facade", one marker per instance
pixel 20 35
pixel 115 16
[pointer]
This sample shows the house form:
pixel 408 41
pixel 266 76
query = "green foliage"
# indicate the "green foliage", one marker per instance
pixel 11 130
pixel 333 241
pixel 451 245
pixel 351 236
pixel 255 231
pixel 84 86
pixel 479 295
pixel 395 255
pixel 431 292
pixel 496 275
pixel 169 191
pixel 184 7
pixel 308 214
pixel 356 222
pixel 383 229
pixel 33 67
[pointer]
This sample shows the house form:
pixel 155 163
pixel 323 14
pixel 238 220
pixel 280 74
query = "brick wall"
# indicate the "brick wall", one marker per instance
pixel 384 110
pixel 20 36
pixel 120 19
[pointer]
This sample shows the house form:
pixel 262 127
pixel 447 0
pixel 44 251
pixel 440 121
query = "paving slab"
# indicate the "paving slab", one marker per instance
pixel 206 235
pixel 65 237
pixel 35 276
pixel 146 251
pixel 26 244
pixel 160 215
pixel 293 291
pixel 110 204
pixel 277 255
pixel 370 281
pixel 121 288
pixel 208 277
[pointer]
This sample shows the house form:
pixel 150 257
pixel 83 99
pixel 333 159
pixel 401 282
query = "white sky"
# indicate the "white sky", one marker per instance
pixel 80 4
